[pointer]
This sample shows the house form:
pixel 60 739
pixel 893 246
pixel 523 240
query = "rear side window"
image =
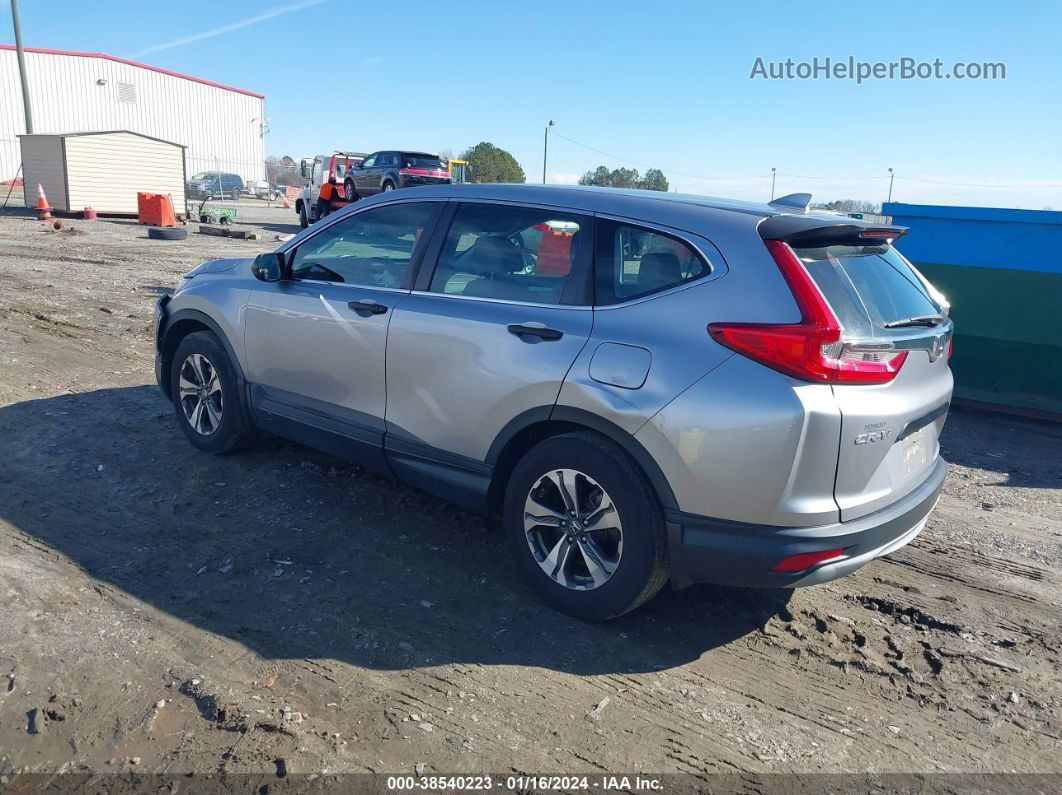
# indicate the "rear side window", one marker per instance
pixel 633 262
pixel 868 287
pixel 509 253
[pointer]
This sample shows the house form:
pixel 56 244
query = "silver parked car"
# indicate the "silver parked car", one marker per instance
pixel 644 387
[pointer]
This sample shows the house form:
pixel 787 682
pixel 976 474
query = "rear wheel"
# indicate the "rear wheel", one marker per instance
pixel 585 528
pixel 388 186
pixel 206 396
pixel 236 194
pixel 303 220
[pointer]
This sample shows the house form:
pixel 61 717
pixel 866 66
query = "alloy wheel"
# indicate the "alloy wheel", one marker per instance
pixel 573 529
pixel 200 394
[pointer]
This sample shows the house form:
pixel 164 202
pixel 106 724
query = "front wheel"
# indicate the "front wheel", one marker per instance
pixel 236 194
pixel 585 528
pixel 304 221
pixel 207 399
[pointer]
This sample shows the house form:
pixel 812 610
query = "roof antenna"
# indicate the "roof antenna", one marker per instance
pixel 793 201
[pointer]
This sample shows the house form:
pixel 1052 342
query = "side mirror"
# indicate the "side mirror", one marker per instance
pixel 268 267
pixel 302 168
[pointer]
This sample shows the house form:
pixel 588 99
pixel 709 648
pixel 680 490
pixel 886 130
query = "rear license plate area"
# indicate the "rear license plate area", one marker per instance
pixel 913 451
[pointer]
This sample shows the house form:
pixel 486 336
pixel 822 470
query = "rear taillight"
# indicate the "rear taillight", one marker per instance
pixel 812 349
pixel 424 172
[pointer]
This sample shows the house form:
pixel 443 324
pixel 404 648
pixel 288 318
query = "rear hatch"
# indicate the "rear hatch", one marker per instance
pixel 877 333
pixel 424 169
pixel 889 430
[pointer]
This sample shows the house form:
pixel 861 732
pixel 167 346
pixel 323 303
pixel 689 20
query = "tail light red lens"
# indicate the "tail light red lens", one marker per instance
pixel 811 350
pixel 424 172
pixel 806 560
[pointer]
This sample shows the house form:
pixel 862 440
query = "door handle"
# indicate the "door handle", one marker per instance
pixel 546 334
pixel 368 306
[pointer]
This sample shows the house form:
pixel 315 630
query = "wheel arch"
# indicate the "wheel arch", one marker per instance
pixel 536 425
pixel 188 321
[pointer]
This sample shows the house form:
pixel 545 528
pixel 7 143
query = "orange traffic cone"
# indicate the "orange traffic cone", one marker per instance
pixel 287 206
pixel 44 211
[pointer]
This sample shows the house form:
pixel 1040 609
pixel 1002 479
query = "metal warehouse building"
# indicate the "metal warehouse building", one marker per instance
pixel 222 127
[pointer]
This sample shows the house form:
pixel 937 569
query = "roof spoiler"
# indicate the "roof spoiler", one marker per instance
pixel 814 233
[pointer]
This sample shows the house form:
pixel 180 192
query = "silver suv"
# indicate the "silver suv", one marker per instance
pixel 644 387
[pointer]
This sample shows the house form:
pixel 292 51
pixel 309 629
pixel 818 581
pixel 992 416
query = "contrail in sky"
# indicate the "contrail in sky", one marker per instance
pixel 218 31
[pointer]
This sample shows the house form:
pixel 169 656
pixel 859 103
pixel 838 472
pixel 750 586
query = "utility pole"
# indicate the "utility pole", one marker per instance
pixel 773 175
pixel 891 178
pixel 545 151
pixel 22 67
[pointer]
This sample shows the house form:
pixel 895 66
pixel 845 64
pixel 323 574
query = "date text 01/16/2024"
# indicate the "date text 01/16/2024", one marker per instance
pixel 524 783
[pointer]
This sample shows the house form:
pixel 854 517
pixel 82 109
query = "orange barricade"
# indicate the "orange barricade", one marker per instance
pixel 155 209
pixel 554 254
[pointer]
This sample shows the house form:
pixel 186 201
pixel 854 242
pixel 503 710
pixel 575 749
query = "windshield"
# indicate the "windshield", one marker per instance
pixel 868 287
pixel 204 175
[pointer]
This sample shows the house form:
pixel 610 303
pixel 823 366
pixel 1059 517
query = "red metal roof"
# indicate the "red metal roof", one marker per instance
pixel 135 63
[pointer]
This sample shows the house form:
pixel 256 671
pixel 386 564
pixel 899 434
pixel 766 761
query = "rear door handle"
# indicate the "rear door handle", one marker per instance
pixel 367 306
pixel 543 333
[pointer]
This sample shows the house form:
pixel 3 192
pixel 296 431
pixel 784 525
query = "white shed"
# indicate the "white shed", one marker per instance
pixel 101 170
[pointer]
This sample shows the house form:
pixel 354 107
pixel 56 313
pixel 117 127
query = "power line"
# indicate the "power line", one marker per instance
pixel 802 176
pixel 665 170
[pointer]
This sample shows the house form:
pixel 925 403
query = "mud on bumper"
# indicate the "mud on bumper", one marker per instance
pixel 735 553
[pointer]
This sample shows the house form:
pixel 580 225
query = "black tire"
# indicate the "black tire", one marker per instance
pixel 303 220
pixel 350 193
pixel 642 569
pixel 272 196
pixel 166 233
pixel 235 429
pixel 388 185
pixel 236 194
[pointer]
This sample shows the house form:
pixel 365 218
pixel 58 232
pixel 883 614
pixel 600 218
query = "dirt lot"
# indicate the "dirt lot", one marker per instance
pixel 278 611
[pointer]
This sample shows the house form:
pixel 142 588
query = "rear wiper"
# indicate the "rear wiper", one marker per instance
pixel 920 320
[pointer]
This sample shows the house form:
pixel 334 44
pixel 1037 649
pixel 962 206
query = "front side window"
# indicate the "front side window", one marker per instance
pixel 508 253
pixel 373 248
pixel 633 262
pixel 369 162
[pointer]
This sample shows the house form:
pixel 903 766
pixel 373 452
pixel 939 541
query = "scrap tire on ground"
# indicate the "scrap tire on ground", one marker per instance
pixel 166 233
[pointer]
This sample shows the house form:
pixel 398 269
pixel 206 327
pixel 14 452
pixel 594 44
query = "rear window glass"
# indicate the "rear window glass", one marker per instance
pixel 868 286
pixel 508 253
pixel 421 161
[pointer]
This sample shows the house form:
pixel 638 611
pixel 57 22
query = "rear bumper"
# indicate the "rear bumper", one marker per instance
pixel 733 553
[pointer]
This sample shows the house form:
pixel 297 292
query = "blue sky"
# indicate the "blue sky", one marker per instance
pixel 660 83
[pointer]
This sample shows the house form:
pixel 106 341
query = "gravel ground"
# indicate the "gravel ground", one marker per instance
pixel 279 612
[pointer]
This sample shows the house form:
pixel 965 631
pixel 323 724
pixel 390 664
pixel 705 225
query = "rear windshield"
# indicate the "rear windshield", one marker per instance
pixel 868 287
pixel 421 161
